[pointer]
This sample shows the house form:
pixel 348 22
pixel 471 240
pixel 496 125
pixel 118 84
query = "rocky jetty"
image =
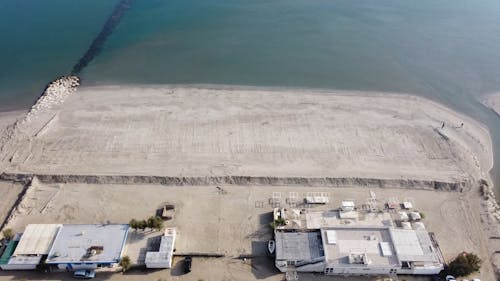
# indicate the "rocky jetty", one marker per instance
pixel 55 93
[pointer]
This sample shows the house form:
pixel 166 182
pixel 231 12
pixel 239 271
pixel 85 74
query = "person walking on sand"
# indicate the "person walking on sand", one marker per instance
pixel 442 125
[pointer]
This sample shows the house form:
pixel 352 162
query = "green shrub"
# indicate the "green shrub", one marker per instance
pixel 134 224
pixel 125 263
pixel 155 222
pixel 8 233
pixel 278 222
pixel 142 224
pixel 464 264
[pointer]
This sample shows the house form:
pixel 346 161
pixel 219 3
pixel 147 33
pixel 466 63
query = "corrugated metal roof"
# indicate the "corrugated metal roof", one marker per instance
pixel 37 239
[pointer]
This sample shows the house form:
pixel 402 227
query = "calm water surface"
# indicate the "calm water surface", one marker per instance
pixel 446 50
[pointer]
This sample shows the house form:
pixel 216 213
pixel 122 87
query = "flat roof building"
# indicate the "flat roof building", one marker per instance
pixel 299 247
pixel 163 257
pixel 358 251
pixel 84 246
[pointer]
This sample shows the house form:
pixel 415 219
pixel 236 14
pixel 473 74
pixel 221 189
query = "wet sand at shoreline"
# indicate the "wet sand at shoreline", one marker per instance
pixel 493 102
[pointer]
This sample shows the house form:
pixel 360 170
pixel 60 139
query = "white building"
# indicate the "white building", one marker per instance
pixel 358 251
pixel 88 246
pixel 33 245
pixel 163 258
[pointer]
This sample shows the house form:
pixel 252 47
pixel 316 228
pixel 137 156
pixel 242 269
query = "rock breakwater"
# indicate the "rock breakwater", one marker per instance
pixel 55 93
pixel 96 45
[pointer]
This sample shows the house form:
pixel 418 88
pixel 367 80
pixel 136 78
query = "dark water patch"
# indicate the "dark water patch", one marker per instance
pixel 96 46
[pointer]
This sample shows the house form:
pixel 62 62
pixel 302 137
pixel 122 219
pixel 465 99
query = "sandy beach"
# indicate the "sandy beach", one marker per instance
pixel 10 117
pixel 113 153
pixel 207 132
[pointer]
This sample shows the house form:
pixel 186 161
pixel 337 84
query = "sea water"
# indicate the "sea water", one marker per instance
pixel 41 40
pixel 446 50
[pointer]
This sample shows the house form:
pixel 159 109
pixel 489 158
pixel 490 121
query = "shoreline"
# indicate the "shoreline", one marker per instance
pixel 492 101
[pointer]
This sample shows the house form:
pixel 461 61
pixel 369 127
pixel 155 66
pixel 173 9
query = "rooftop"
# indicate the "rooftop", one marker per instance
pixel 37 239
pixel 298 246
pixel 414 245
pixel 334 218
pixel 164 254
pixel 88 243
pixel 345 245
pixel 342 244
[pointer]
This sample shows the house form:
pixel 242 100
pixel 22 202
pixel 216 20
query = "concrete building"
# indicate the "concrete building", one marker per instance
pixel 32 245
pixel 163 258
pixel 357 251
pixel 88 246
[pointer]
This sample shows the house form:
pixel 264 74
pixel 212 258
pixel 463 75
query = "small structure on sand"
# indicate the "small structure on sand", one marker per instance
pixel 163 257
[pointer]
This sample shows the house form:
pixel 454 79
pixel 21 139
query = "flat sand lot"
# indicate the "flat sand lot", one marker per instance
pixel 9 117
pixel 231 221
pixel 206 132
pixel 9 193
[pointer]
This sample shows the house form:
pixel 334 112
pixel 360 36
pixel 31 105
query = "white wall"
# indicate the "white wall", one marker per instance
pixel 77 266
pixel 359 270
pixel 18 266
pixel 158 265
pixel 316 267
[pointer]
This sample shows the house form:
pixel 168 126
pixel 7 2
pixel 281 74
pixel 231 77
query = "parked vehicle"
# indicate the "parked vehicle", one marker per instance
pixel 450 278
pixel 187 264
pixel 84 274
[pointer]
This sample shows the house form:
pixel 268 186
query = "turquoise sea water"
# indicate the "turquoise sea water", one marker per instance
pixel 41 40
pixel 446 50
